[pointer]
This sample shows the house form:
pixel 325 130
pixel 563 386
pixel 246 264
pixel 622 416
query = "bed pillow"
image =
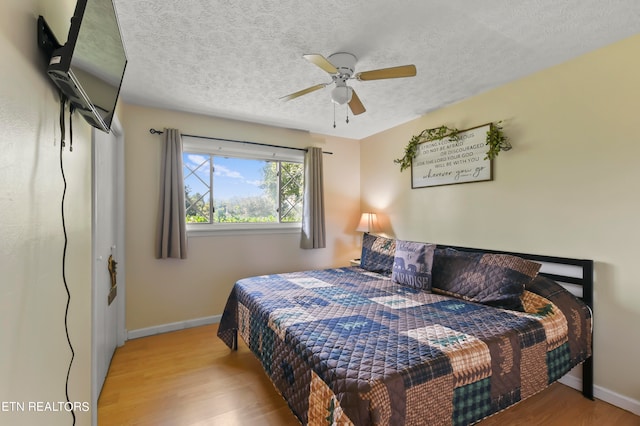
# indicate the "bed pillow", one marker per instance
pixel 377 253
pixel 493 279
pixel 412 264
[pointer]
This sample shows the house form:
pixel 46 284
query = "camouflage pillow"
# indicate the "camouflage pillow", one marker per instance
pixel 412 264
pixel 377 253
pixel 493 279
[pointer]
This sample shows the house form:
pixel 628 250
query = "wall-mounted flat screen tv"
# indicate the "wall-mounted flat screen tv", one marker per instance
pixel 90 66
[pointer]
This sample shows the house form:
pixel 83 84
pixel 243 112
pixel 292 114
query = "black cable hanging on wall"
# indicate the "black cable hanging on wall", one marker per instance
pixel 63 102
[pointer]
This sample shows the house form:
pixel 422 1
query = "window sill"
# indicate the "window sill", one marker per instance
pixel 205 230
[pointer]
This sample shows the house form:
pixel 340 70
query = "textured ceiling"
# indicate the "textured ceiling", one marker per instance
pixel 235 59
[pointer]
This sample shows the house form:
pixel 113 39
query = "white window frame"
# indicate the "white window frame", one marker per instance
pixel 249 151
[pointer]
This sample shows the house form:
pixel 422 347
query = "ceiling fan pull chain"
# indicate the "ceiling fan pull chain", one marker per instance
pixel 347 115
pixel 334 115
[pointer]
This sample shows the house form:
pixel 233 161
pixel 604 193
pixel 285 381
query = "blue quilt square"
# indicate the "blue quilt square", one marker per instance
pixel 342 297
pixel 353 325
pixel 388 315
pixel 406 291
pixel 456 306
pixel 310 301
pixel 273 304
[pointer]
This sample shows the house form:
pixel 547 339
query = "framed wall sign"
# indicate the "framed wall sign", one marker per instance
pixel 447 161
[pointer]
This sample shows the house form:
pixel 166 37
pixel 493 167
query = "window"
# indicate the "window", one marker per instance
pixel 238 186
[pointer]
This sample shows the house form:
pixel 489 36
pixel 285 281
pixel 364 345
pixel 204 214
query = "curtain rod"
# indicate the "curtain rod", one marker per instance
pixel 159 132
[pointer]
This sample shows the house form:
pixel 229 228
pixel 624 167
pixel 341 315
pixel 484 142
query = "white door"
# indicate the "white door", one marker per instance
pixel 108 249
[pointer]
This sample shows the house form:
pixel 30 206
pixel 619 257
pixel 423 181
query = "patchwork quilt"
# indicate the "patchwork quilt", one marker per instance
pixel 348 346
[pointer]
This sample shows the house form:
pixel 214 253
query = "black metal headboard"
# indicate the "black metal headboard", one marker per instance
pixel 576 275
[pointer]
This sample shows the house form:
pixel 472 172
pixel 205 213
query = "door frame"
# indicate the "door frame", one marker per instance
pixel 121 332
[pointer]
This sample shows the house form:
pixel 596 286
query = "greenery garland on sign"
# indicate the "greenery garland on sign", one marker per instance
pixel 496 141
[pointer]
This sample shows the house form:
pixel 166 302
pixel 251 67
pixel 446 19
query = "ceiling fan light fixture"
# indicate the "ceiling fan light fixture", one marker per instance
pixel 341 94
pixel 341 67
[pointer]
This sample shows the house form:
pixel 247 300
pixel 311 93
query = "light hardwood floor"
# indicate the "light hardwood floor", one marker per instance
pixel 190 377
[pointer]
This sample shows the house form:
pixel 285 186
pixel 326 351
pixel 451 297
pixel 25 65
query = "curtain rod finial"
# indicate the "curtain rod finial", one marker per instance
pixel 155 132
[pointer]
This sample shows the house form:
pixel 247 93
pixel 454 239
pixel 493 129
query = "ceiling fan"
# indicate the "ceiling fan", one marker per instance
pixel 341 67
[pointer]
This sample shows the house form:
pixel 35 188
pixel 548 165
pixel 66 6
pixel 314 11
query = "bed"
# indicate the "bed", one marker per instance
pixel 417 334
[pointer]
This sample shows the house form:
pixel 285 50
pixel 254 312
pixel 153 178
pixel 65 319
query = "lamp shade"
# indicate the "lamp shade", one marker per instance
pixel 368 222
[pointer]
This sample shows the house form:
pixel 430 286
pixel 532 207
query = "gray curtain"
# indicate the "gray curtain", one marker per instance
pixel 313 229
pixel 171 235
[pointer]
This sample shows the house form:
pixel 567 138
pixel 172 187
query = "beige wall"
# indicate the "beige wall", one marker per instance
pixel 166 291
pixel 35 355
pixel 569 187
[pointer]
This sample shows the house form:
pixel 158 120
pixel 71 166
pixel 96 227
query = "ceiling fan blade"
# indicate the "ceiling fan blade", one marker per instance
pixel 394 72
pixel 303 92
pixel 355 104
pixel 322 62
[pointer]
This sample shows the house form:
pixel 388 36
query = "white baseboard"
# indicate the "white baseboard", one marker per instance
pixel 174 326
pixel 604 394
